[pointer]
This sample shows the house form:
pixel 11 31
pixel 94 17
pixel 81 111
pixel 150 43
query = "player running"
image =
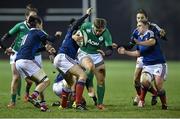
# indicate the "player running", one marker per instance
pixel 90 55
pixel 154 64
pixel 141 15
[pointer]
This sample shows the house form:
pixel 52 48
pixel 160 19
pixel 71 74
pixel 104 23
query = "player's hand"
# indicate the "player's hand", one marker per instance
pixel 136 41
pixel 121 50
pixel 77 37
pixel 88 11
pixel 51 58
pixel 50 49
pixel 58 34
pixel 9 51
pixel 114 45
pixel 101 52
pixel 162 33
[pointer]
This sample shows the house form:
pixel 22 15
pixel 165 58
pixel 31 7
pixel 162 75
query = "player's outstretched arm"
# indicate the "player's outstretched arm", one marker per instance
pixel 81 20
pixel 123 51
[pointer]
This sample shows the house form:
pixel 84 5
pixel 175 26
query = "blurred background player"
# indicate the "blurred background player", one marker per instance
pixel 154 64
pixel 90 55
pixel 141 15
pixel 65 60
pixel 20 30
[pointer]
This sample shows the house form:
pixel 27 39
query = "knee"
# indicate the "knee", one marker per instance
pixel 161 92
pixel 137 84
pixel 146 78
pixel 47 82
pixel 90 66
pixel 101 81
pixel 16 77
pixel 83 76
pixel 102 71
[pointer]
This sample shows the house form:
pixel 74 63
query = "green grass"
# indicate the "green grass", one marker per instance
pixel 118 97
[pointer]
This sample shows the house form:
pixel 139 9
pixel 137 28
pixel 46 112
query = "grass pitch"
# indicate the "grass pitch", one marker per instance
pixel 118 96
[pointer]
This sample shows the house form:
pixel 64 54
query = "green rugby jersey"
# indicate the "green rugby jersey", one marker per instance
pixel 93 42
pixel 20 30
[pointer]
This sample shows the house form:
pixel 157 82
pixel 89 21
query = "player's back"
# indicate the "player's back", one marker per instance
pixel 30 44
pixel 69 46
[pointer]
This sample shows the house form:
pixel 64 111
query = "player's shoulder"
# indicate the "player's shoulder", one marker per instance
pixel 19 24
pixel 153 25
pixel 149 33
pixel 86 25
pixel 135 31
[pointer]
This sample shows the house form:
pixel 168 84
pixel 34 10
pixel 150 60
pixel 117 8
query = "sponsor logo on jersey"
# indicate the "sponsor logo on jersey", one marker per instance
pixel 93 42
pixel 100 38
pixel 88 30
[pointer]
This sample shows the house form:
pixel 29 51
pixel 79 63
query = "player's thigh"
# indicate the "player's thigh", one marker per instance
pixel 14 70
pixel 85 60
pixel 77 71
pixel 159 82
pixel 39 76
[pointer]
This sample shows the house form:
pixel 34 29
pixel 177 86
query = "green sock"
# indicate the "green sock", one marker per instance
pixel 19 88
pixel 100 93
pixel 13 98
pixel 89 81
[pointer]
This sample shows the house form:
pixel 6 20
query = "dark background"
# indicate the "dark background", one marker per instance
pixel 121 17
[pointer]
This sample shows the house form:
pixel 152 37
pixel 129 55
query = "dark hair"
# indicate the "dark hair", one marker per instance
pixel 34 20
pixel 100 23
pixel 30 8
pixel 142 11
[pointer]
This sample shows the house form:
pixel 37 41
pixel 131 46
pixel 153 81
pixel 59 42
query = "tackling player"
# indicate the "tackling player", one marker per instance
pixel 65 60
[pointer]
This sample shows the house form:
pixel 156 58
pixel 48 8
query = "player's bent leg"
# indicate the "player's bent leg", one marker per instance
pixel 146 79
pixel 90 88
pixel 88 64
pixel 161 92
pixel 100 74
pixel 14 86
pixel 43 82
pixel 28 86
pixel 77 71
pixel 137 84
pixel 91 93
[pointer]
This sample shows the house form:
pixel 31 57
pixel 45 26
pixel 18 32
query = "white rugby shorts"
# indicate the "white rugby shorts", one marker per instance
pixel 157 70
pixel 64 62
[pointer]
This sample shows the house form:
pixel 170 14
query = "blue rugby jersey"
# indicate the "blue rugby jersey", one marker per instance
pixel 153 27
pixel 59 78
pixel 32 43
pixel 69 46
pixel 151 54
